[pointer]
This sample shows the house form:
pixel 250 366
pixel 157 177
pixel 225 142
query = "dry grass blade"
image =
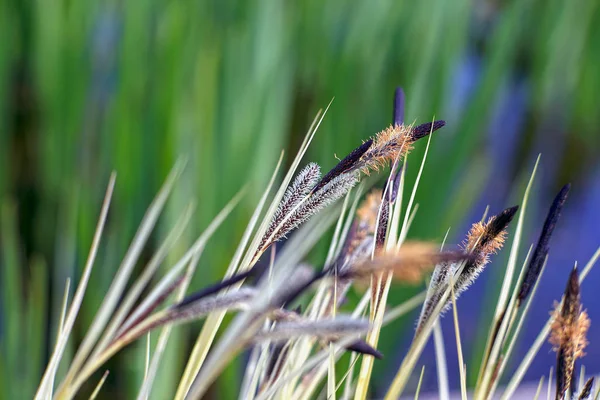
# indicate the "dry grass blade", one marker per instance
pixel 539 388
pixel 163 338
pixel 119 282
pixel 142 282
pixel 174 277
pixel 515 334
pixel 440 362
pixel 99 386
pixel 167 284
pixel 44 390
pixel 461 363
pixel 420 382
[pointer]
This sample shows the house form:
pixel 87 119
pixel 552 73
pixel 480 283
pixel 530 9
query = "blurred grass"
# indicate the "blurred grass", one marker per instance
pixel 87 87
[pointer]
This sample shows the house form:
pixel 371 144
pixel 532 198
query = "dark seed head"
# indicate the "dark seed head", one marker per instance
pixel 345 165
pixel 362 347
pixel 423 130
pixel 399 101
pixel 541 249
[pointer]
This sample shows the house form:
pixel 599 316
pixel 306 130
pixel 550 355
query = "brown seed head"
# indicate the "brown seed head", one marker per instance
pixel 393 142
pixel 568 334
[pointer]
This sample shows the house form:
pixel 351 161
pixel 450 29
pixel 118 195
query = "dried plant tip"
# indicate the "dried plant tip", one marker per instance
pixel 409 264
pixel 586 391
pixel 328 328
pixel 541 249
pixel 568 334
pixel 346 165
pixel 362 347
pixel 423 130
pixel 399 102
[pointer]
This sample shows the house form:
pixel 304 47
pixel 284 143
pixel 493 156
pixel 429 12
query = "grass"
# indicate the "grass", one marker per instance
pixel 296 348
pixel 225 86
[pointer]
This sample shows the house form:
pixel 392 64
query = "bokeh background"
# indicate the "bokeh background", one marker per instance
pixel 87 87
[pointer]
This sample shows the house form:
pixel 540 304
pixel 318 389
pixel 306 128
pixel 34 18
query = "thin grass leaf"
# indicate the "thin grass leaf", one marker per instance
pixel 513 340
pixel 119 282
pixel 331 374
pixel 99 386
pixel 539 388
pixel 420 382
pixel 461 363
pixel 163 338
pixel 44 390
pixel 440 362
pixel 144 279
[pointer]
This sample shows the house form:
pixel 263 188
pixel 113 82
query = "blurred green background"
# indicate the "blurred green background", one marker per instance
pixel 87 87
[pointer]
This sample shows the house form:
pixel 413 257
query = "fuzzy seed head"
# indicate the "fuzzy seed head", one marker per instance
pixel 477 238
pixel 392 143
pixel 568 334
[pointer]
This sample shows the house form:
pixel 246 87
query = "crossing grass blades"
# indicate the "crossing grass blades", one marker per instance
pixel 292 317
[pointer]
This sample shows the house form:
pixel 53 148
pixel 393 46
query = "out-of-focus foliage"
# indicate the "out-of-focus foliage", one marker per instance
pixel 91 86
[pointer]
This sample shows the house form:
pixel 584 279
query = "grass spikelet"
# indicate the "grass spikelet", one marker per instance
pixel 568 334
pixel 542 247
pixel 586 390
pixel 306 179
pixel 482 241
pixel 317 201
